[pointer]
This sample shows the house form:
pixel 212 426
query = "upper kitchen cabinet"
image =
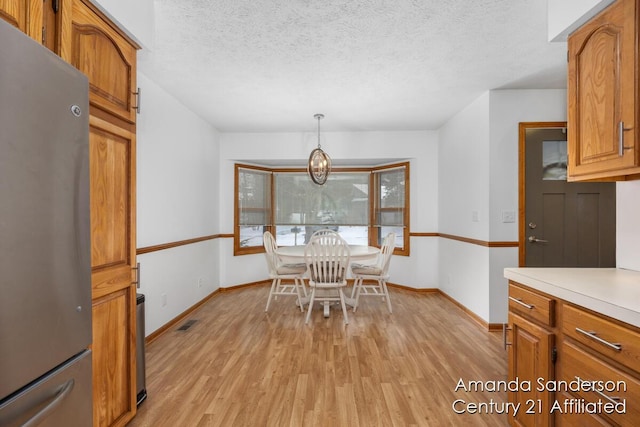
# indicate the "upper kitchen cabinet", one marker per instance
pixel 39 19
pixel 107 56
pixel 603 96
pixel 26 15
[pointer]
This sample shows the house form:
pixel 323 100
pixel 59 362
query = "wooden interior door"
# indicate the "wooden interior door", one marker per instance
pixel 562 224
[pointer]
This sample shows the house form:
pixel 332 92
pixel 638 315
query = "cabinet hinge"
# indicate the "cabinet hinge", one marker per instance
pixel 55 5
pixel 554 355
pixel 44 34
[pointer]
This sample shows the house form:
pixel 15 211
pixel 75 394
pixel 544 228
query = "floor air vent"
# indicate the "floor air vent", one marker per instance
pixel 186 325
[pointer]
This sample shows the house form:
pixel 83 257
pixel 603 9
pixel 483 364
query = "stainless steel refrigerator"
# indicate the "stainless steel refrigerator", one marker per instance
pixel 45 270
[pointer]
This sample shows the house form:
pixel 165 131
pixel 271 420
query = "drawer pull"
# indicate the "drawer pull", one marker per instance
pixel 613 400
pixel 592 335
pixel 519 301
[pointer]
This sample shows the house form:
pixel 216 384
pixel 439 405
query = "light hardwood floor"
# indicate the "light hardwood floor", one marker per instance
pixel 240 366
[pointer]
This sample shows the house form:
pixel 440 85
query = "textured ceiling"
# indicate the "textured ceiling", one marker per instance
pixel 269 65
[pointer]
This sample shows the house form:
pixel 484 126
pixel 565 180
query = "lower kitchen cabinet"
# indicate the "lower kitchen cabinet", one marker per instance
pixel 531 356
pixel 575 366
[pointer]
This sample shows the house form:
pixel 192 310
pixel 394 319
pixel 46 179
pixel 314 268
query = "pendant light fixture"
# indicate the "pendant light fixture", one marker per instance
pixel 319 165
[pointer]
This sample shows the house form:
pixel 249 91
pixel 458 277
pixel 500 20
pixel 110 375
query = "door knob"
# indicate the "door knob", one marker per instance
pixel 534 239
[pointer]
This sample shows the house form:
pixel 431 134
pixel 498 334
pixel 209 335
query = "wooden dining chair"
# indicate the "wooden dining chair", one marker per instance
pixel 279 271
pixel 377 273
pixel 327 257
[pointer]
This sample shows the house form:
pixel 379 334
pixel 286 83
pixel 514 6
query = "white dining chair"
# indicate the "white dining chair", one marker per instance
pixel 327 257
pixel 322 232
pixel 279 271
pixel 377 273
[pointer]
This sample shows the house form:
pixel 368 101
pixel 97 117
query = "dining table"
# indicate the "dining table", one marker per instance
pixel 358 253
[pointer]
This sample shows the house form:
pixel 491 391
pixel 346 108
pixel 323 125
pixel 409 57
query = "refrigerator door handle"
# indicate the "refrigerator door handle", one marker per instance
pixel 57 400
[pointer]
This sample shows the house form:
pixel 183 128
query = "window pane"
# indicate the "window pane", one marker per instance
pixel 399 242
pixel 254 197
pixel 251 236
pixel 343 200
pixel 299 235
pixel 554 160
pixel 392 217
pixel 392 188
pixel 390 197
pixel 389 205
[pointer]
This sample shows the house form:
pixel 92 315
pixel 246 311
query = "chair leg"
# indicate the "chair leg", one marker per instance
pixel 357 299
pixel 383 284
pixel 355 286
pixel 304 287
pixel 273 287
pixel 344 306
pixel 296 282
pixel 311 298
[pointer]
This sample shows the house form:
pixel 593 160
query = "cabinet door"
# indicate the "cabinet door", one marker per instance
pixel 530 360
pixel 106 56
pixel 25 15
pixel 112 190
pixel 601 95
pixel 113 368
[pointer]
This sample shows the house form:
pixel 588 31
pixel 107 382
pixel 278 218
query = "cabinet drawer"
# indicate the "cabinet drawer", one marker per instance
pixel 615 386
pixel 531 304
pixel 566 419
pixel 604 336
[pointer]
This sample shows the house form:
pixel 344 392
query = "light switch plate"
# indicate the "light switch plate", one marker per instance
pixel 508 216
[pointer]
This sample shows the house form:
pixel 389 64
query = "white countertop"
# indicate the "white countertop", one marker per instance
pixel 613 292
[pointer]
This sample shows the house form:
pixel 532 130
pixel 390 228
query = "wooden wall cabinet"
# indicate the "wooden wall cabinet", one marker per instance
pixel 95 46
pixel 39 19
pixel 26 15
pixel 84 37
pixel 603 100
pixel 531 354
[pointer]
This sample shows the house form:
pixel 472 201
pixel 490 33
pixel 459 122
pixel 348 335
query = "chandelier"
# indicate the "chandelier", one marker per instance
pixel 319 165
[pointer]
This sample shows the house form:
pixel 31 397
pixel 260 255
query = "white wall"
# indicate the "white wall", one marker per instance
pixel 134 17
pixel 419 270
pixel 464 205
pixel 177 199
pixel 508 109
pixel 564 16
pixel 478 166
pixel 464 172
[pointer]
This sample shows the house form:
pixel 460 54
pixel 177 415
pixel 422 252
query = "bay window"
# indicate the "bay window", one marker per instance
pixel 362 204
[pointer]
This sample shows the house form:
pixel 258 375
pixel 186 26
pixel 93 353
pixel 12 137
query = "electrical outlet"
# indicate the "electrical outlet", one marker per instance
pixel 200 282
pixel 164 299
pixel 475 216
